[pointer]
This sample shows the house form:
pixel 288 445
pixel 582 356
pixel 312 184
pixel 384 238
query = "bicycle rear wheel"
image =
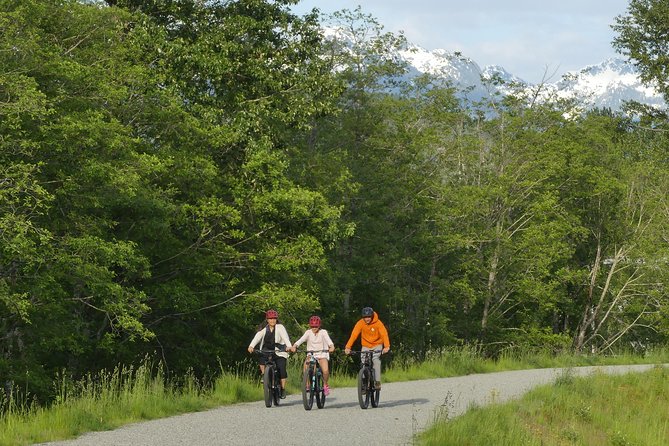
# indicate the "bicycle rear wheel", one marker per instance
pixel 307 389
pixel 364 392
pixel 268 385
pixel 320 390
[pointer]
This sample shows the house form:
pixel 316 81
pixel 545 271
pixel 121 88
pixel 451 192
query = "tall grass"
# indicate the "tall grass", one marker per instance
pixel 111 399
pixel 469 359
pixel 127 394
pixel 598 410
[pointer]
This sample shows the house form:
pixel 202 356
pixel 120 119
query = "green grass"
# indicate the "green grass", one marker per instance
pixel 125 395
pixel 467 360
pixel 601 410
pixel 109 400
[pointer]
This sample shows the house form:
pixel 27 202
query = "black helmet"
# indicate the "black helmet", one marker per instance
pixel 367 312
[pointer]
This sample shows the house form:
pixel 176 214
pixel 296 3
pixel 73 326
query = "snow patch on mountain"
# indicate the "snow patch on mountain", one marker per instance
pixel 605 85
pixel 608 84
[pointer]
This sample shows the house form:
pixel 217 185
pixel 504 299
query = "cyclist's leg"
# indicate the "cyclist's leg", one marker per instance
pixel 325 369
pixel 281 366
pixel 323 362
pixel 376 361
pixel 261 362
pixel 305 370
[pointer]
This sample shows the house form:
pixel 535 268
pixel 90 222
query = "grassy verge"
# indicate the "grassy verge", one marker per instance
pixel 599 410
pixel 463 361
pixel 466 361
pixel 109 400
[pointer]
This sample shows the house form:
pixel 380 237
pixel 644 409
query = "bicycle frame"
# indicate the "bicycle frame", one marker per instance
pixel 312 382
pixel 271 379
pixel 367 391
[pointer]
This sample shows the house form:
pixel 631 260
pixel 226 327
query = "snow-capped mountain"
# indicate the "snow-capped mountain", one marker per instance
pixel 607 84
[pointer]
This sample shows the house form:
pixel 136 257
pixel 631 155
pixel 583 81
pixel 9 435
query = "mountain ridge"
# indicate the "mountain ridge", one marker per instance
pixel 607 84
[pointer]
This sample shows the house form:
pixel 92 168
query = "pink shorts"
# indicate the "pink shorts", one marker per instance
pixel 320 355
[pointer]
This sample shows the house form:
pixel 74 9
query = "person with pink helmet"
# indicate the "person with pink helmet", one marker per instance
pixel 319 342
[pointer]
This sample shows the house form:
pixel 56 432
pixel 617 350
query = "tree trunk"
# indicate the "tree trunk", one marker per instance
pixel 587 310
pixel 490 294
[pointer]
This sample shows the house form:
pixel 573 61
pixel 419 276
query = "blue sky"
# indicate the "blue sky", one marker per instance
pixel 529 38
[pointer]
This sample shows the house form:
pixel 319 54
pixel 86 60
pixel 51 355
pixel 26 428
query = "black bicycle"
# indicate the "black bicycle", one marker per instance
pixel 312 382
pixel 367 391
pixel 271 379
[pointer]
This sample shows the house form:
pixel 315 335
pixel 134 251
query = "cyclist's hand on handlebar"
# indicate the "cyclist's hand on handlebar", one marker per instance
pixel 250 349
pixel 347 351
pixel 292 349
pixel 386 350
pixel 331 348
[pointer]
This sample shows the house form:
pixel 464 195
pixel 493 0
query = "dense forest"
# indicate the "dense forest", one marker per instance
pixel 170 169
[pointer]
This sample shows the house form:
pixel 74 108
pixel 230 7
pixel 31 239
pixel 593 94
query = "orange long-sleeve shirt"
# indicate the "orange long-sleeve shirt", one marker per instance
pixel 373 334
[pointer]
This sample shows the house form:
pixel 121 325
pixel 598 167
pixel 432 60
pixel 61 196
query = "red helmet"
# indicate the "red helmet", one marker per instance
pixel 314 321
pixel 271 314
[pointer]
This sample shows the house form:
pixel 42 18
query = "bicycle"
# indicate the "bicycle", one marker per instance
pixel 367 391
pixel 271 379
pixel 312 382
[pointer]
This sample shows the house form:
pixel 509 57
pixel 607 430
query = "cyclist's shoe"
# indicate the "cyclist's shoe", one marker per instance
pixel 326 390
pixel 283 393
pixel 377 385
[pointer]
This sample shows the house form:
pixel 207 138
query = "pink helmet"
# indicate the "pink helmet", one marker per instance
pixel 271 314
pixel 314 321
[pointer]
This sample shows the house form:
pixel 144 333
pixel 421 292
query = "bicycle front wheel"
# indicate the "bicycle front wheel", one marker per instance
pixel 276 388
pixel 364 391
pixel 375 393
pixel 320 390
pixel 268 385
pixel 307 389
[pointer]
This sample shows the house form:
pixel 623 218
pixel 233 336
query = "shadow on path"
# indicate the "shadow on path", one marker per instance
pixel 382 404
pixel 335 405
pixel 288 403
pixel 394 403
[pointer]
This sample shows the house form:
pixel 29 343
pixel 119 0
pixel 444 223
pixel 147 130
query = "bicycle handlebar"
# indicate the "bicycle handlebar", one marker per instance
pixel 360 352
pixel 263 352
pixel 312 351
pixel 367 356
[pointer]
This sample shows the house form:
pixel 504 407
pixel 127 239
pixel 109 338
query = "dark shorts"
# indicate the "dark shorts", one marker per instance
pixel 280 364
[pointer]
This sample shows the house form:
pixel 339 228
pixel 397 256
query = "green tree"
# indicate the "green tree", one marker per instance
pixel 642 36
pixel 252 78
pixel 68 284
pixel 146 191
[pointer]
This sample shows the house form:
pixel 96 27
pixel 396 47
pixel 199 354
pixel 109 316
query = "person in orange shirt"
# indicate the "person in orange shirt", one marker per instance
pixel 374 337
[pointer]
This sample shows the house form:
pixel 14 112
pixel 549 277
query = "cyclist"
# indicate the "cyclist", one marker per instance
pixel 273 336
pixel 318 340
pixel 374 337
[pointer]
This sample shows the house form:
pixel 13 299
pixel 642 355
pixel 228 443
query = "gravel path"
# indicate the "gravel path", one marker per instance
pixel 406 408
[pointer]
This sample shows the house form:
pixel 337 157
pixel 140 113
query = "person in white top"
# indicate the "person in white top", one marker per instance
pixel 318 342
pixel 273 336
